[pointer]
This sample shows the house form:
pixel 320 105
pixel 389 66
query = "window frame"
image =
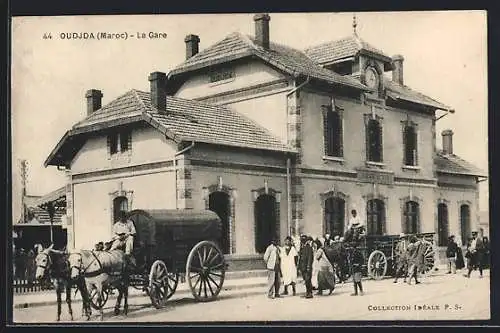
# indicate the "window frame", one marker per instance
pixel 415 158
pixel 406 216
pixel 338 133
pixel 115 142
pixel 370 213
pixel 370 118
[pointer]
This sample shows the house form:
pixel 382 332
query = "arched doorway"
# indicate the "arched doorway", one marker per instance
pixel 465 230
pixel 266 222
pixel 335 216
pixel 120 204
pixel 442 224
pixel 218 202
pixel 375 215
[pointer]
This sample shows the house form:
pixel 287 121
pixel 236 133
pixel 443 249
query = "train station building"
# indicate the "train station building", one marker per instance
pixel 276 141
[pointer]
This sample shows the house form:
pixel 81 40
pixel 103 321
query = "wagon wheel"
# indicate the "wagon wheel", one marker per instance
pixel 93 299
pixel 162 284
pixel 377 265
pixel 428 260
pixel 205 271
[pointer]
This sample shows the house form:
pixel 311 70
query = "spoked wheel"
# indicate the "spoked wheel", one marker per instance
pixel 205 271
pixel 377 265
pixel 162 284
pixel 428 260
pixel 94 299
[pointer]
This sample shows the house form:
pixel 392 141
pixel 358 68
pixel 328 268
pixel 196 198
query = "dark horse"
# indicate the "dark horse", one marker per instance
pixel 54 264
pixel 103 270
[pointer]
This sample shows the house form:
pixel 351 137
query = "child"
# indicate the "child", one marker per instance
pixel 356 264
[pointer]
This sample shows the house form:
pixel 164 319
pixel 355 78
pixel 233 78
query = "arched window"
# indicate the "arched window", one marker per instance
pixel 411 218
pixel 374 141
pixel 375 215
pixel 119 204
pixel 442 224
pixel 465 231
pixel 332 121
pixel 410 145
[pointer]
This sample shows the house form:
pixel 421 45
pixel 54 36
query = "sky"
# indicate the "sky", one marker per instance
pixel 445 58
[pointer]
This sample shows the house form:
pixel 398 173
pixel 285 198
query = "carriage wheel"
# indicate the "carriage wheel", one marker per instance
pixel 377 265
pixel 429 261
pixel 162 284
pixel 205 271
pixel 93 299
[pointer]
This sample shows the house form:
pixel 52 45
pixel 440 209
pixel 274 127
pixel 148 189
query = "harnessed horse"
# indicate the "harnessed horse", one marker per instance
pixel 54 263
pixel 102 270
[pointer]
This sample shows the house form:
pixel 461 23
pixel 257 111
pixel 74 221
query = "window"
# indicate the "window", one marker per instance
pixel 120 204
pixel 119 142
pixel 410 145
pixel 332 127
pixel 411 218
pixel 465 231
pixel 374 141
pixel 442 224
pixel 335 216
pixel 375 214
pixel 221 75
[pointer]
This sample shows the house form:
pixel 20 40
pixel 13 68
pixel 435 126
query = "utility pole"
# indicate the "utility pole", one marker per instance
pixel 24 176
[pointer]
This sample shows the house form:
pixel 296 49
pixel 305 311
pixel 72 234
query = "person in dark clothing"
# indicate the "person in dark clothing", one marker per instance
pixel 451 255
pixel 305 263
pixel 401 258
pixel 486 244
pixel 356 265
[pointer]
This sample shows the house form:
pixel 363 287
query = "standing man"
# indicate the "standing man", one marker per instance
pixel 272 260
pixel 401 258
pixel 289 258
pixel 451 255
pixel 305 263
pixel 413 259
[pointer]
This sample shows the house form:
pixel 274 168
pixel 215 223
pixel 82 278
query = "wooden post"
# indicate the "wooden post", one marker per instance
pixel 51 211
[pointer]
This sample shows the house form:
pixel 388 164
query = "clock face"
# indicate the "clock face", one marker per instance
pixel 371 78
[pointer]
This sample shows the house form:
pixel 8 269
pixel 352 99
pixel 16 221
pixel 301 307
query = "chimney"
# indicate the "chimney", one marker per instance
pixel 262 29
pixel 192 45
pixel 397 69
pixel 447 141
pixel 158 89
pixel 94 100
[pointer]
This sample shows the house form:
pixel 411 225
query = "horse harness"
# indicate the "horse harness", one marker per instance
pixel 92 274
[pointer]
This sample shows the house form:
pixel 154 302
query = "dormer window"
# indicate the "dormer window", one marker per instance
pixel 119 142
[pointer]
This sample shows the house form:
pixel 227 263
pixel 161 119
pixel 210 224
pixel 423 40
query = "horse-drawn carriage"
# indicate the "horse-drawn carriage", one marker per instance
pixel 380 255
pixel 169 244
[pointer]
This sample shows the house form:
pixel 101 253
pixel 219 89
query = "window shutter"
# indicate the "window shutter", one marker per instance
pixel 340 134
pixel 108 144
pixel 325 132
pixel 380 142
pixel 417 145
pixel 405 146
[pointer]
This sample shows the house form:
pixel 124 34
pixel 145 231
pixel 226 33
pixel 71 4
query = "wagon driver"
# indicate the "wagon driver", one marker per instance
pixel 356 229
pixel 124 233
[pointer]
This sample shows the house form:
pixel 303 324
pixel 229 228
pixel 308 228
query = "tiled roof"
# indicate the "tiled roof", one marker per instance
pixel 452 164
pixel 184 120
pixel 59 193
pixel 402 92
pixel 340 49
pixel 41 216
pixel 292 61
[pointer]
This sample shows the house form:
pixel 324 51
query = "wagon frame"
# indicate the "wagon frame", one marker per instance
pixel 173 246
pixel 379 252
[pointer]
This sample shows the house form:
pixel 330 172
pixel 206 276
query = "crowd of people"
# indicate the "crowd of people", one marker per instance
pixel 312 259
pixel 309 257
pixel 24 263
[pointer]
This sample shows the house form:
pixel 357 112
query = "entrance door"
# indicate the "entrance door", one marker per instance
pixel 218 202
pixel 265 222
pixel 375 213
pixel 442 224
pixel 335 216
pixel 465 231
